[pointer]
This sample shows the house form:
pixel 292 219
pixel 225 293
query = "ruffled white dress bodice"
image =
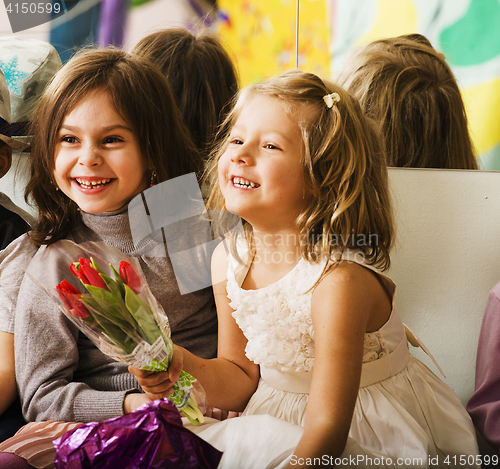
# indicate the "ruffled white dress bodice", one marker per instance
pixel 277 322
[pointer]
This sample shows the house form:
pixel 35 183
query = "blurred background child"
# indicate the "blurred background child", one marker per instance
pixel 407 87
pixel 14 221
pixel 30 64
pixel 202 75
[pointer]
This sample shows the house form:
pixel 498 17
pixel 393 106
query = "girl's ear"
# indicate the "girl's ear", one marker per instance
pixel 5 159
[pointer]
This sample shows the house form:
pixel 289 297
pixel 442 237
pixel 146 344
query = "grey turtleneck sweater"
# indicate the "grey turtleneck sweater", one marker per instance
pixel 61 375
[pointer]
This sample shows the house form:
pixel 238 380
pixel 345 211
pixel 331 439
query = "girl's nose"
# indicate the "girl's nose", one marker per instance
pixel 242 155
pixel 89 156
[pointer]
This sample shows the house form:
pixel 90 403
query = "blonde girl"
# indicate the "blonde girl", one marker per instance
pixel 311 346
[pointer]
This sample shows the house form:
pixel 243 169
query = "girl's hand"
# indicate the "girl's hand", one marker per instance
pixel 157 385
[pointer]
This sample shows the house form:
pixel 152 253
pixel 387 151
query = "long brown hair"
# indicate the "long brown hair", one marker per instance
pixel 344 167
pixel 407 87
pixel 140 94
pixel 202 75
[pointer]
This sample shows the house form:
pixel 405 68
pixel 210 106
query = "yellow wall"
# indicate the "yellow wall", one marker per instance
pixel 261 36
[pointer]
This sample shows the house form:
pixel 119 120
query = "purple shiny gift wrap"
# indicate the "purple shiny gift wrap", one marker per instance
pixel 150 437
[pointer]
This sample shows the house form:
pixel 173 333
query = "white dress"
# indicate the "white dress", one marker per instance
pixel 404 415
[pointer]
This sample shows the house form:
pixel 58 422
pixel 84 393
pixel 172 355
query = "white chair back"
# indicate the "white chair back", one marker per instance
pixel 445 261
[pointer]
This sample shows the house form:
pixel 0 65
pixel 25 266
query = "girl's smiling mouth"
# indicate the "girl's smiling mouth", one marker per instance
pixel 244 183
pixel 94 183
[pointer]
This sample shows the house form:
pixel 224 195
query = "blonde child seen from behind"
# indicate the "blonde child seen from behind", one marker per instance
pixel 409 90
pixel 311 346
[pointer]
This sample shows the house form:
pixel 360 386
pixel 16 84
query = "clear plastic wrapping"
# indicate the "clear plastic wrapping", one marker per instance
pixel 105 294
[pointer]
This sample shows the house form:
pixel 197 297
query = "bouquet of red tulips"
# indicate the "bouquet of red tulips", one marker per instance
pixel 121 316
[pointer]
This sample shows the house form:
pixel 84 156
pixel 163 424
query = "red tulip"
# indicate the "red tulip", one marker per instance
pixel 78 274
pixel 87 274
pixel 130 277
pixel 71 299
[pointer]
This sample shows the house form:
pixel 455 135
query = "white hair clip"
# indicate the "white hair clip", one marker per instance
pixel 331 99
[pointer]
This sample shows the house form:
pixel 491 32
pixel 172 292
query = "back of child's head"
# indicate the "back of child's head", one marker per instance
pixel 344 167
pixel 141 96
pixel 407 87
pixel 202 76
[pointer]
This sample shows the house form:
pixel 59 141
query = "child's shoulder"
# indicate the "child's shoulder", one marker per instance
pixel 352 269
pixel 219 262
pixel 232 250
pixel 353 286
pixel 348 276
pixel 220 253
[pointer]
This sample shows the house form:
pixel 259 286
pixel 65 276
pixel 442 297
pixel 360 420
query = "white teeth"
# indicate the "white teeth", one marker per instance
pixel 240 182
pixel 92 184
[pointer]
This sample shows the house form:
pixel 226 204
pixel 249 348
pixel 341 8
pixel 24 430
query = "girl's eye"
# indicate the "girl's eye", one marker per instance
pixel 109 140
pixel 236 141
pixel 271 146
pixel 68 139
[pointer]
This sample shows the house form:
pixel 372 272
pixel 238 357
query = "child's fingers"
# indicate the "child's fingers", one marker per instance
pixel 176 364
pixel 158 391
pixel 164 388
pixel 154 379
pixel 138 373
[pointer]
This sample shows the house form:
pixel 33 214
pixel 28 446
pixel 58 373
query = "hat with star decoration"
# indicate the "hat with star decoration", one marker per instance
pixel 5 116
pixel 27 65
